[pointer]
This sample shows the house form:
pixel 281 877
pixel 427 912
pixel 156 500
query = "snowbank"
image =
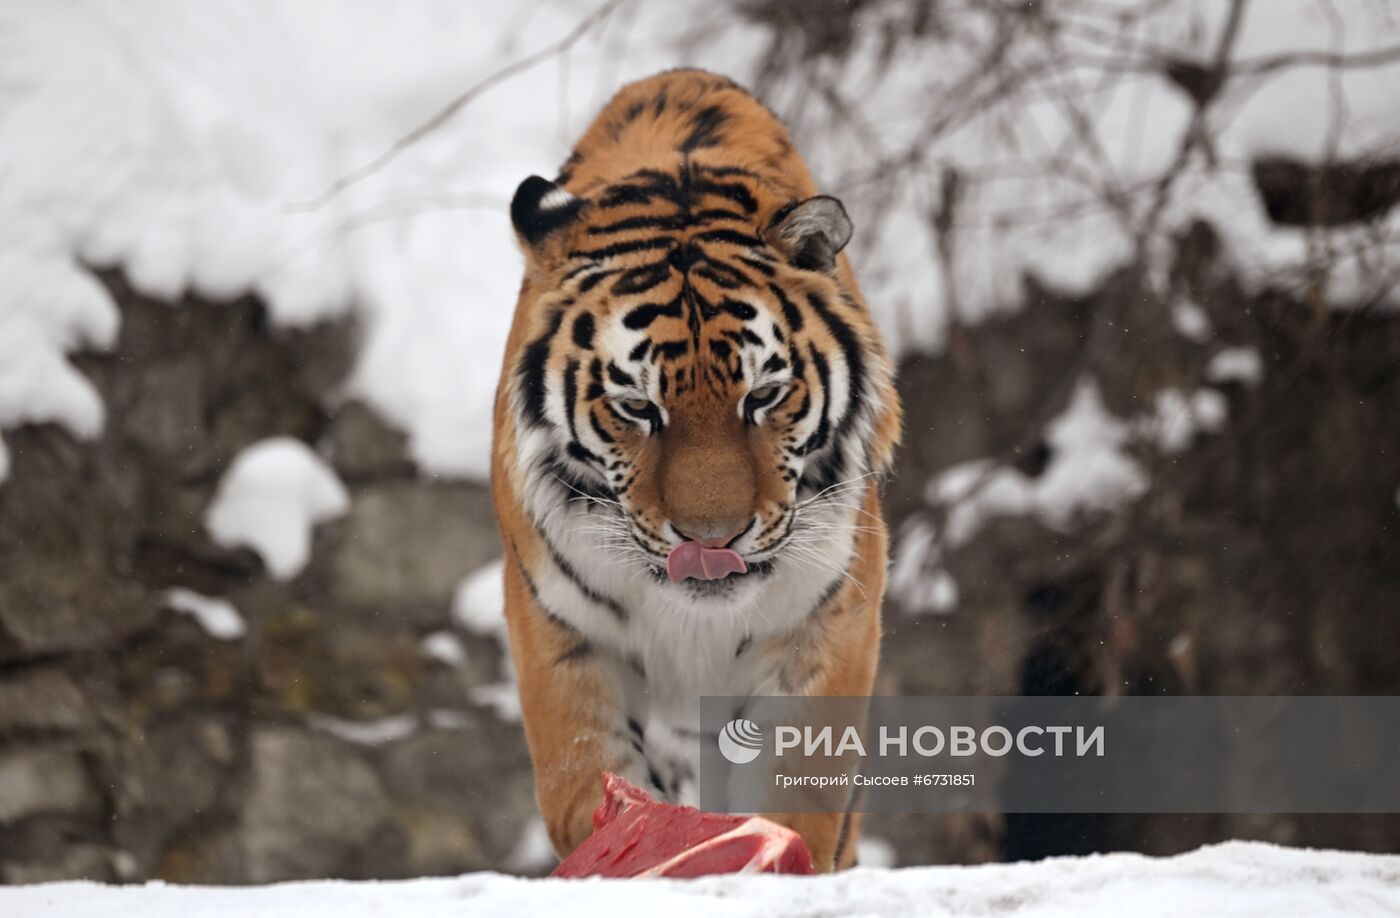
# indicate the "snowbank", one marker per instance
pixel 1234 879
pixel 271 498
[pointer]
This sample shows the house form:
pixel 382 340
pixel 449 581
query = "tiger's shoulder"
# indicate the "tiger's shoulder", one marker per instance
pixel 693 115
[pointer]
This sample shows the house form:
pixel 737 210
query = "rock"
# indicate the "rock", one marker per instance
pixel 168 777
pixel 96 863
pixel 35 781
pixel 360 445
pixel 42 699
pixel 486 814
pixel 312 803
pixel 66 534
pixel 406 543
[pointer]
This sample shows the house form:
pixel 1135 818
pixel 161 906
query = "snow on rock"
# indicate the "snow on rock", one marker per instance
pixel 1178 417
pixel 1232 880
pixel 272 496
pixel 218 617
pixel 444 647
pixel 480 607
pixel 375 732
pixel 1236 364
pixel 1191 321
pixel 479 604
pixel 1088 472
pixel 916 580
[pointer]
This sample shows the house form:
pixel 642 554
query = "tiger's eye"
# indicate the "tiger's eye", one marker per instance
pixel 764 395
pixel 635 405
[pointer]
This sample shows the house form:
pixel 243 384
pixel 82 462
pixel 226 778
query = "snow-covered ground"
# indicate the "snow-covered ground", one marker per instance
pixel 1235 879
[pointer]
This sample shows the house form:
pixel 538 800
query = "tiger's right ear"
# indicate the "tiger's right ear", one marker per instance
pixel 541 210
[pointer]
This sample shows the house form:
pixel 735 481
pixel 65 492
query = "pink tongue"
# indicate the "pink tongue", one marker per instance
pixel 691 559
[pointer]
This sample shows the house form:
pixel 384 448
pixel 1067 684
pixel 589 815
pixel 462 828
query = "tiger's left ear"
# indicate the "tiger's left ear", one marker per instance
pixel 540 211
pixel 811 232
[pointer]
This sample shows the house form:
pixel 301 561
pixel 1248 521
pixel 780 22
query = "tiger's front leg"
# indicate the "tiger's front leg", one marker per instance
pixel 573 723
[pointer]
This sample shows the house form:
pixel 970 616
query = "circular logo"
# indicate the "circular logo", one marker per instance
pixel 740 741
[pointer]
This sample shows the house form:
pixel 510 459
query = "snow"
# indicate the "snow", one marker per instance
pixel 218 617
pixel 444 647
pixel 1233 879
pixel 375 732
pixel 384 730
pixel 272 496
pixel 1236 364
pixel 1088 473
pixel 1191 321
pixel 1178 417
pixel 479 606
pixel 480 601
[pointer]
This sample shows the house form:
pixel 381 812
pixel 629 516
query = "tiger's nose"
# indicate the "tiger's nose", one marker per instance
pixel 705 534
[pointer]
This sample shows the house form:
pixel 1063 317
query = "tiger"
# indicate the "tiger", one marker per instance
pixel 694 416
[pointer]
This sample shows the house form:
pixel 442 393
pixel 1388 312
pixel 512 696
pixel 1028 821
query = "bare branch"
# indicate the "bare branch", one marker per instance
pixel 1380 57
pixel 445 114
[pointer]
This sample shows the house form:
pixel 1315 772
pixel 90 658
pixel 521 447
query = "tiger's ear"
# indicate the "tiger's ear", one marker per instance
pixel 540 211
pixel 811 232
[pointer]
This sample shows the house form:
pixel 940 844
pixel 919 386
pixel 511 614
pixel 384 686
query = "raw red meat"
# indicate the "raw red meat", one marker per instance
pixel 635 836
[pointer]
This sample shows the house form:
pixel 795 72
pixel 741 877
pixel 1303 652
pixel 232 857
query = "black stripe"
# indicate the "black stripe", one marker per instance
pixel 763 268
pixel 802 409
pixel 623 248
pixel 705 129
pixel 580 452
pixel 649 221
pixel 570 395
pixel 599 429
pixel 717 213
pixel 588 592
pixel 791 313
pixel 828 594
pixel 532 370
pixel 739 310
pixel 671 350
pixel 732 237
pixel 619 377
pixel 596 278
pixel 583 331
pixel 730 190
pixel 640 280
pixel 818 438
pixel 642 316
pixel 855 361
pixel 553 468
pixel 581 646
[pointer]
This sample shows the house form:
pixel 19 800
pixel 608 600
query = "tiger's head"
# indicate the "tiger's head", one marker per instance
pixel 699 375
